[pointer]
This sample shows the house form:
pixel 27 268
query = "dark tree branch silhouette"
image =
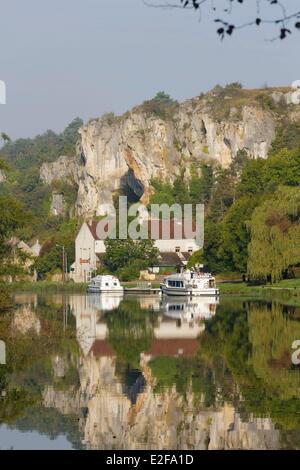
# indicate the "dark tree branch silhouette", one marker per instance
pixel 285 20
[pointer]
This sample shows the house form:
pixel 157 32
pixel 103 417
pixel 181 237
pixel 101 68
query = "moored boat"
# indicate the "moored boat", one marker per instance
pixel 190 283
pixel 105 283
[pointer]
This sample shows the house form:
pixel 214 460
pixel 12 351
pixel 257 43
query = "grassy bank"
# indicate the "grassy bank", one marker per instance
pixel 287 288
pixel 44 286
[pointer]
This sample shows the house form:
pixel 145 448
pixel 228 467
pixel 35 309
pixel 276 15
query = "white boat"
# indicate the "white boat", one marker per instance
pixel 188 309
pixel 105 283
pixel 190 283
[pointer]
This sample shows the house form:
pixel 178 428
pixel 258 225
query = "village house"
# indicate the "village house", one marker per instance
pixel 23 256
pixel 174 249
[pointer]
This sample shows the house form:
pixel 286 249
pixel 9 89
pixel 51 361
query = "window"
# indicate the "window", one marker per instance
pixel 190 250
pixel 177 249
pixel 106 284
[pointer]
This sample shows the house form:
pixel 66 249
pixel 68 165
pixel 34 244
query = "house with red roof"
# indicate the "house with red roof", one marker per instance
pixel 168 235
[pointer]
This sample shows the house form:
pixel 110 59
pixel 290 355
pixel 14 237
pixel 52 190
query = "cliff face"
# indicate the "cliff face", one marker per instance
pixel 64 168
pixel 115 153
pixel 117 417
pixel 133 150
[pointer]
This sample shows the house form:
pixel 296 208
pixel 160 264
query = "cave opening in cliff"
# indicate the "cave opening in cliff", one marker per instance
pixel 131 187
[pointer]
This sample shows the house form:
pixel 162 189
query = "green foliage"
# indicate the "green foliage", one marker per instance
pixel 31 153
pixel 132 270
pixel 235 236
pixel 50 259
pixel 287 137
pixel 5 300
pixel 255 344
pixel 275 235
pixel 67 189
pixel 24 158
pixel 129 256
pixel 252 178
pixel 130 331
pixel 13 218
pixel 195 258
pixel 30 180
pixel 162 106
pixel 194 190
pixel 163 192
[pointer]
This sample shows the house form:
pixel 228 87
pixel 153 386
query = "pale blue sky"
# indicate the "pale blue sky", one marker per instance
pixel 66 58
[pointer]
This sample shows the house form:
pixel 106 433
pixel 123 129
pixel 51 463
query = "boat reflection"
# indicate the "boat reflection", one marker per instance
pixel 178 323
pixel 188 310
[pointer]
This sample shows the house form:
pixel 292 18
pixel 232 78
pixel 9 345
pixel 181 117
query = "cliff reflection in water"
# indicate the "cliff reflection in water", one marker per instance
pixel 143 372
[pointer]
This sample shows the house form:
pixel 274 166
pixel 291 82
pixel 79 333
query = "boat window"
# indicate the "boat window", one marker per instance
pixel 107 284
pixel 115 284
pixel 175 307
pixel 177 249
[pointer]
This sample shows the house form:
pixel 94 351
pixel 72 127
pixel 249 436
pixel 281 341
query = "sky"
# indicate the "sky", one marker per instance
pixel 17 440
pixel 66 58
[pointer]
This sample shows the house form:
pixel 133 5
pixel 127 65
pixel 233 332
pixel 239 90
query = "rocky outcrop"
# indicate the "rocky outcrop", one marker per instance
pixel 135 417
pixel 135 148
pixel 64 168
pixel 123 153
pixel 291 97
pixel 58 205
pixel 25 320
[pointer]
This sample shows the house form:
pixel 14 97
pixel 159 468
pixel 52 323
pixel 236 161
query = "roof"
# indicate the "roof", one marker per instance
pixel 92 225
pixel 159 347
pixel 102 348
pixel 170 258
pixel 173 347
pixel 161 229
pixel 157 229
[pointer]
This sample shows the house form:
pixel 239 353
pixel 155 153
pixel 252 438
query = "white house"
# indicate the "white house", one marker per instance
pixel 174 247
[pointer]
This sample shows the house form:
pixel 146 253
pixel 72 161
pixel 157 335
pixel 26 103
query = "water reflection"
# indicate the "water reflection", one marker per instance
pixel 111 372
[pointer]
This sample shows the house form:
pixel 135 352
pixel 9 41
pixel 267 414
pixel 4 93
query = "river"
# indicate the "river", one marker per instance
pixel 141 372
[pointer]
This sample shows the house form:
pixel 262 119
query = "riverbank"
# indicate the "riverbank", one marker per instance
pixel 44 286
pixel 288 288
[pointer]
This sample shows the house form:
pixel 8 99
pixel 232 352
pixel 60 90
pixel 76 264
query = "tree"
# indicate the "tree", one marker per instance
pixel 12 218
pixel 5 137
pixel 265 13
pixel 162 106
pixel 275 235
pixel 201 187
pixel 252 179
pixel 235 236
pixel 50 259
pixel 122 253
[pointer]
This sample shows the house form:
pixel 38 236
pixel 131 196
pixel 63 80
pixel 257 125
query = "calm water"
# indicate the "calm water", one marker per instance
pixel 108 372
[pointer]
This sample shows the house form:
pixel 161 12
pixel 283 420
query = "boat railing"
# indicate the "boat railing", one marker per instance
pixel 144 285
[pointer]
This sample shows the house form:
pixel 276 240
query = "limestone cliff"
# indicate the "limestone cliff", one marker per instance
pixel 118 153
pixel 64 168
pixel 135 417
